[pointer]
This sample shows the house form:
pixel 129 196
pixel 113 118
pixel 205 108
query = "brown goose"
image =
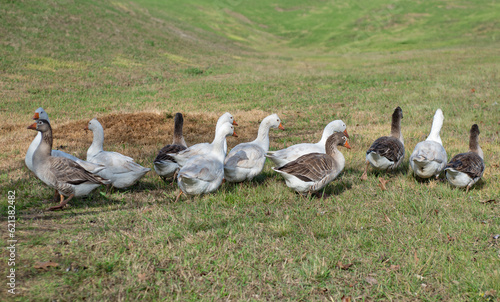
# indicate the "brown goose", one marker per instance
pixel 387 152
pixel 465 169
pixel 165 165
pixel 63 174
pixel 311 172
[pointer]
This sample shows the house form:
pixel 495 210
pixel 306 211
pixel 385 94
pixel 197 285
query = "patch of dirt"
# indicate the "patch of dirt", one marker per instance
pixel 139 135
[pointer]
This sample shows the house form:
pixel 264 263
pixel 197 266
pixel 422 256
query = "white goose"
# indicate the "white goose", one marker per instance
pixel 165 166
pixel 465 169
pixel 121 170
pixel 429 157
pixel 387 152
pixel 28 159
pixel 284 156
pixel 245 161
pixel 312 172
pixel 199 149
pixel 66 176
pixel 204 173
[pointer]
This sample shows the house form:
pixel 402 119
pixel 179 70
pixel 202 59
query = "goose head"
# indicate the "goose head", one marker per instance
pixel 334 140
pixel 41 114
pixel 178 119
pixel 93 125
pixel 397 115
pixel 226 118
pixel 40 125
pixel 226 130
pixel 273 121
pixel 439 114
pixel 332 127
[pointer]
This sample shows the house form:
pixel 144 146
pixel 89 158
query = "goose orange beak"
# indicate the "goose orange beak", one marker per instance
pixel 281 127
pixel 347 145
pixel 234 134
pixel 32 126
pixel 36 116
pixel 345 133
pixel 234 123
pixel 86 128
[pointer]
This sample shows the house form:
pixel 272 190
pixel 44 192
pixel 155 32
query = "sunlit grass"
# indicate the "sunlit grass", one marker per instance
pixel 134 64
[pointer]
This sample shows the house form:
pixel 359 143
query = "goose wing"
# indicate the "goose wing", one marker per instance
pixel 388 147
pixel 245 157
pixel 163 155
pixel 69 171
pixel 469 163
pixel 310 167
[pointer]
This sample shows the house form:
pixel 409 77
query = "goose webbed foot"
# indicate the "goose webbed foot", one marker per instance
pixel 63 203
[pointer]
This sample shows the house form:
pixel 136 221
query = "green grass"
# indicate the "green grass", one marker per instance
pixel 141 61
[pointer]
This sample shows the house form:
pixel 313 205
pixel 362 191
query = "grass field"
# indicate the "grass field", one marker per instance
pixel 134 64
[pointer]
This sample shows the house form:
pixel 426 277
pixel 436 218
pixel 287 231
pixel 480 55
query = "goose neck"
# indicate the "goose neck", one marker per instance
pixel 396 129
pixel 474 145
pixel 437 123
pixel 44 149
pixel 97 142
pixel 178 137
pixel 263 136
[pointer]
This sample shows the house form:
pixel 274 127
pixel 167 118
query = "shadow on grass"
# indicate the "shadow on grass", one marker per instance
pixel 335 188
pixel 32 201
pixel 259 180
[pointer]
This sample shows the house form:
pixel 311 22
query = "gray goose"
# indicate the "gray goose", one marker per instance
pixel 63 174
pixel 164 164
pixel 429 157
pixel 465 169
pixel 311 172
pixel 121 170
pixel 40 113
pixel 387 152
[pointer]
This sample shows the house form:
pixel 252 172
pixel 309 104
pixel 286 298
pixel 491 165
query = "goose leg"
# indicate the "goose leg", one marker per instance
pixel 175 176
pixel 63 203
pixel 365 175
pixel 109 189
pixel 468 187
pixel 56 195
pixel 178 196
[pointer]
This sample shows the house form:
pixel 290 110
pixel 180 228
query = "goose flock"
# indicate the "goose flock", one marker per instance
pixel 202 168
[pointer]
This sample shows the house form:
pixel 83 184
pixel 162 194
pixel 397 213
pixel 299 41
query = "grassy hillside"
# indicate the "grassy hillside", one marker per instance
pixel 133 64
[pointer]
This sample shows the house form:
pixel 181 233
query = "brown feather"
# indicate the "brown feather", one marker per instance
pixel 388 147
pixel 469 163
pixel 168 149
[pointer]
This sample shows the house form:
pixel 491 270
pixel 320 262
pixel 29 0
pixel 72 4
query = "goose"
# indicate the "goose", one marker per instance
pixel 121 170
pixel 284 156
pixel 465 169
pixel 164 165
pixel 199 149
pixel 204 173
pixel 246 160
pixel 429 157
pixel 67 176
pixel 40 113
pixel 312 172
pixel 387 152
